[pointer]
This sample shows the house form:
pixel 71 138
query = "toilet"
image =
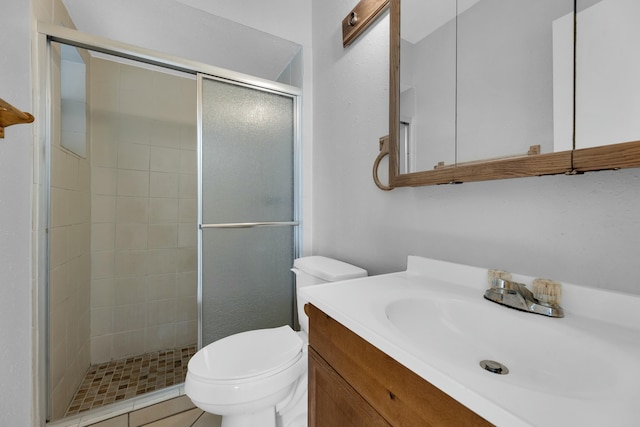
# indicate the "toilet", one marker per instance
pixel 259 377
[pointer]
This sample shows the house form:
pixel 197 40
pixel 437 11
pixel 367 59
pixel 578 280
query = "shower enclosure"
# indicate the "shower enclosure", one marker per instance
pixel 172 213
pixel 248 216
pixel 123 268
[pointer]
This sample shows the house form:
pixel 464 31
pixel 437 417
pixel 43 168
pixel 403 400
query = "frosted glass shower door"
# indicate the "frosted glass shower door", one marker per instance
pixel 247 217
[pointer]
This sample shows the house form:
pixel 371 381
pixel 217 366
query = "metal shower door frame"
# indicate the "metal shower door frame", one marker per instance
pixel 47 33
pixel 278 89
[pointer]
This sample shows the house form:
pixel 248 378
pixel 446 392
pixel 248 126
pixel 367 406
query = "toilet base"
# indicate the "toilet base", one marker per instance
pixel 266 418
pixel 294 412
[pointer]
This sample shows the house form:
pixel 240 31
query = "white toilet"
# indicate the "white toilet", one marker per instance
pixel 259 378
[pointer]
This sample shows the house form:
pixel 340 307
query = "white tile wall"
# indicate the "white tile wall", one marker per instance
pixel 163 236
pixel 188 210
pixel 133 156
pixel 70 274
pixel 103 209
pixel 131 236
pixel 162 286
pixel 166 159
pixel 132 182
pixel 132 210
pixel 143 211
pixel 131 263
pixel 103 237
pixel 163 184
pixel 163 210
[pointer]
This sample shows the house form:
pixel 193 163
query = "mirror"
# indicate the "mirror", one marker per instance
pixel 427 85
pixel 483 89
pixel 505 78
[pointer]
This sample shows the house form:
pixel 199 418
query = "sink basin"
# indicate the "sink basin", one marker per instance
pixel 535 350
pixel 580 370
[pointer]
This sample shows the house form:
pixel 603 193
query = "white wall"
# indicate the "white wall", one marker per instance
pixel 15 220
pixel 579 229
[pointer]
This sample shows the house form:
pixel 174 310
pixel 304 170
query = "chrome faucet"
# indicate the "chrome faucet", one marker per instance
pixel 518 296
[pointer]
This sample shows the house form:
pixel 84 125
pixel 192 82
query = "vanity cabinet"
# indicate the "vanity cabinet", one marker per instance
pixel 352 383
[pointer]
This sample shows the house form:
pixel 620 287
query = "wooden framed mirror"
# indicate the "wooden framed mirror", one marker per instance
pixel 520 90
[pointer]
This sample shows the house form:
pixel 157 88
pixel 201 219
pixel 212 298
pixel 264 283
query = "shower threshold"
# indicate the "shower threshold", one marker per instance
pixel 130 377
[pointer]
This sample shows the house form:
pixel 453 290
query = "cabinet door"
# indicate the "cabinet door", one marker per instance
pixel 399 396
pixel 333 402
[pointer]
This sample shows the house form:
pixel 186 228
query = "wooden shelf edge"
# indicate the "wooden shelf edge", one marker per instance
pixel 512 167
pixel 614 156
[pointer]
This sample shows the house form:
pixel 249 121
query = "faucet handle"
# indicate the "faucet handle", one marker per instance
pixel 547 291
pixel 497 274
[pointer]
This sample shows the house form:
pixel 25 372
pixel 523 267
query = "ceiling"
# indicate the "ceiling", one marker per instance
pixel 191 29
pixel 176 28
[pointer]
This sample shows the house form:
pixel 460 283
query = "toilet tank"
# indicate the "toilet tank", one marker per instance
pixel 314 270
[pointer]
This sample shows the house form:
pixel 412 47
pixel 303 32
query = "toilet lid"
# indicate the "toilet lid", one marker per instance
pixel 247 354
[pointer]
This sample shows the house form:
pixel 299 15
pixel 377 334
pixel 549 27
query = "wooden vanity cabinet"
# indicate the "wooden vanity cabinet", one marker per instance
pixel 352 383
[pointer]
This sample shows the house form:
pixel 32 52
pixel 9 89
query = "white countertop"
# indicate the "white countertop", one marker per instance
pixel 580 370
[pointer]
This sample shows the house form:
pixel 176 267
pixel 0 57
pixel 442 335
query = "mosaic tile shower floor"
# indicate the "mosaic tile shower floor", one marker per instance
pixel 125 378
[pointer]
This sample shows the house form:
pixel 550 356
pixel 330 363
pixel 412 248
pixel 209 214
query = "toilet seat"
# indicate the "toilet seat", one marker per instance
pixel 247 356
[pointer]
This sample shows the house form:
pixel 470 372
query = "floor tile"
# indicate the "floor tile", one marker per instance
pixel 121 421
pixel 183 419
pixel 208 420
pixel 125 378
pixel 160 410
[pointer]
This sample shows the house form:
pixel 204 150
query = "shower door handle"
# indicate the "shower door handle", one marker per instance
pixel 251 224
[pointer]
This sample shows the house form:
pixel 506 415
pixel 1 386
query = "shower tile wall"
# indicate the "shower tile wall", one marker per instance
pixel 69 260
pixel 143 222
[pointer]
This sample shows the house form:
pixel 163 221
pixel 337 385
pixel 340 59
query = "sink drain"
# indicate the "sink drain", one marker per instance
pixel 494 367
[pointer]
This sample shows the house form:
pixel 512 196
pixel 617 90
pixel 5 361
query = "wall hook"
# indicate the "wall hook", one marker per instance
pixel 360 18
pixel 10 115
pixel 353 18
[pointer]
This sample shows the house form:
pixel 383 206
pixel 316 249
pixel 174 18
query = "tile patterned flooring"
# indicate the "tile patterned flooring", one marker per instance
pixel 125 378
pixel 177 412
